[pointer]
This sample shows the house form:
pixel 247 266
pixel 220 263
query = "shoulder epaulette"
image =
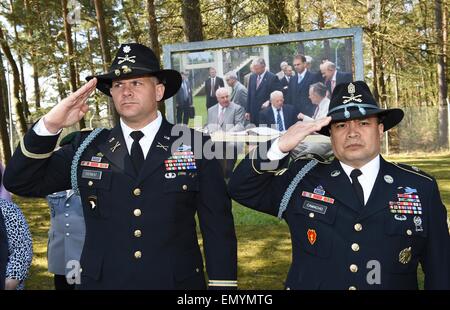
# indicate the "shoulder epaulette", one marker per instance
pixel 318 158
pixel 413 170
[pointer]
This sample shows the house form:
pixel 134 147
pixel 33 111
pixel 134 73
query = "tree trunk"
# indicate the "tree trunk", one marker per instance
pixel 277 18
pixel 19 115
pixel 23 92
pixel 135 33
pixel 192 20
pixel 5 147
pixel 298 18
pixel 228 19
pixel 33 59
pixel 326 42
pixel 153 28
pixel 103 35
pixel 153 36
pixel 441 75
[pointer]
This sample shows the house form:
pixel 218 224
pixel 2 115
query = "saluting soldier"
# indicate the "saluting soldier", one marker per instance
pixel 140 186
pixel 359 221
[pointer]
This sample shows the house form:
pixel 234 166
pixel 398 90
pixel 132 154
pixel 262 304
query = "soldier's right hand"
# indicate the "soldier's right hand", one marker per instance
pixel 70 110
pixel 298 132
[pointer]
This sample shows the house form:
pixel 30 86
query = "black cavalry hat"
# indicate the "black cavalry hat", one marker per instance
pixel 354 100
pixel 132 60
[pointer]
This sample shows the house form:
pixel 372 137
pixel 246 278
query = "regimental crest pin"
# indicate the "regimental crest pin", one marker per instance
pixel 418 223
pixel 126 49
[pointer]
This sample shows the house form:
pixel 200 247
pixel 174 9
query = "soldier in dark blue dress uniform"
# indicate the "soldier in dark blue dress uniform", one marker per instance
pixel 140 184
pixel 358 221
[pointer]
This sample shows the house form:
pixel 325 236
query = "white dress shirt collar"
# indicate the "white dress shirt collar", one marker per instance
pixel 149 132
pixel 368 176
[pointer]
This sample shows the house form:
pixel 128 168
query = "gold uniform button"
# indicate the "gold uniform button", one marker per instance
pixel 81 269
pixel 288 288
pixel 353 268
pixel 137 212
pixel 137 233
pixel 355 247
pixel 358 227
pixel 185 187
pixel 409 232
pixel 311 215
pixel 197 270
pixel 138 254
pixel 352 288
pixel 90 183
pixel 137 192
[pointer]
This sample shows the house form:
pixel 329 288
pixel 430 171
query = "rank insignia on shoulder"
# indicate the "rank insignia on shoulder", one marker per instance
pixel 312 236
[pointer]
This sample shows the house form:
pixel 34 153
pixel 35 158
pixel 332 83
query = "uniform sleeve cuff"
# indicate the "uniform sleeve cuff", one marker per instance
pixel 41 130
pixel 274 152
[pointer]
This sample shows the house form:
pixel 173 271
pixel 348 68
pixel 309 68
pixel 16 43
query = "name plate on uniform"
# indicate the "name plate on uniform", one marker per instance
pixel 315 207
pixel 91 174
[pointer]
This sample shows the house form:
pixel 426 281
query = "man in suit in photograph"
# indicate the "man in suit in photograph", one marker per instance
pixel 226 116
pixel 285 80
pixel 278 115
pixel 334 77
pixel 184 100
pixel 239 92
pixel 298 92
pixel 211 85
pixel 261 84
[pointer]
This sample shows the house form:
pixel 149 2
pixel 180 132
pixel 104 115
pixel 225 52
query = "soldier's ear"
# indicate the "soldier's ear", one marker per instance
pixel 159 91
pixel 381 130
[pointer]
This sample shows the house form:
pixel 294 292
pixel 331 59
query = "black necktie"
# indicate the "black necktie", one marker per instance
pixel 137 156
pixel 356 185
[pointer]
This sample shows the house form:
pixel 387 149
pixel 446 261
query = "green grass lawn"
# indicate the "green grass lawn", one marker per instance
pixel 264 246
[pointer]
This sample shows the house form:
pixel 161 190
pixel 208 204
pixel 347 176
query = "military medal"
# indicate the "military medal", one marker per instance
pixel 418 222
pixel 404 256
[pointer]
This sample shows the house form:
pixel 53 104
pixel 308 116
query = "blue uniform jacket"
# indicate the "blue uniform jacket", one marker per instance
pixel 140 229
pixel 336 243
